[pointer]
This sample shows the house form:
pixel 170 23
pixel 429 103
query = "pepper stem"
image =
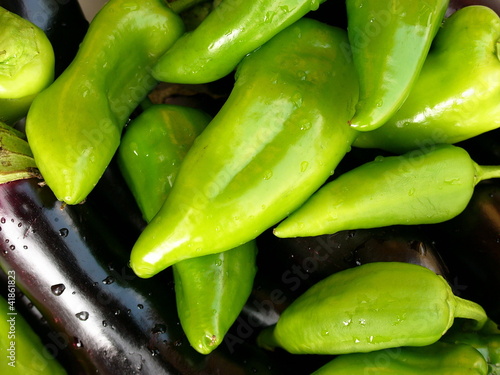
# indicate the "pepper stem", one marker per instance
pixel 470 310
pixel 485 172
pixel 179 6
pixel 266 339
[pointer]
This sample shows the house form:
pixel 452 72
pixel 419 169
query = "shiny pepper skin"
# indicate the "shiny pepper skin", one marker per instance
pixel 419 187
pixel 232 30
pixel 210 290
pixel 456 95
pixel 26 65
pixel 74 126
pixel 390 40
pixel 437 359
pixel 278 137
pixel 370 307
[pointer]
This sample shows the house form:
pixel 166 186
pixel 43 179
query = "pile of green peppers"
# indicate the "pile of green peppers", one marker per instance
pixel 403 77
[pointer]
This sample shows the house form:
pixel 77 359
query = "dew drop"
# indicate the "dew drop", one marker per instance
pixel 303 166
pixel 268 175
pixel 108 280
pixel 159 328
pixel 218 262
pixel 57 289
pixel 83 315
pixel 140 306
pixel 12 247
pixel 2 220
pixel 63 232
pixel 77 343
pixel 104 323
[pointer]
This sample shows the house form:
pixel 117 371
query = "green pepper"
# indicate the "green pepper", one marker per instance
pixel 74 126
pixel 456 95
pixel 370 307
pixel 210 290
pixel 23 352
pixel 26 65
pixel 390 41
pixel 232 30
pixel 152 149
pixel 419 187
pixel 486 341
pixel 436 359
pixel 277 138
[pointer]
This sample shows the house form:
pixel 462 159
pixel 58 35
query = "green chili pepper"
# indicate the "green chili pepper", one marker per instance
pixel 26 65
pixel 370 307
pixel 390 41
pixel 436 359
pixel 23 352
pixel 419 187
pixel 456 94
pixel 232 30
pixel 74 126
pixel 277 138
pixel 210 290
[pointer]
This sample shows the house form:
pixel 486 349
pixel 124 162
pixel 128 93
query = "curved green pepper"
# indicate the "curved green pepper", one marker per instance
pixel 370 307
pixel 436 359
pixel 277 138
pixel 26 65
pixel 74 126
pixel 210 290
pixel 456 95
pixel 232 30
pixel 419 187
pixel 390 41
pixel 23 351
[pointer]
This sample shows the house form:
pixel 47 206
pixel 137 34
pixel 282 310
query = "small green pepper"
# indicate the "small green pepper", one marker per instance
pixel 370 307
pixel 277 138
pixel 456 94
pixel 74 126
pixel 26 65
pixel 486 341
pixel 437 359
pixel 419 187
pixel 210 290
pixel 232 30
pixel 152 149
pixel 23 352
pixel 390 41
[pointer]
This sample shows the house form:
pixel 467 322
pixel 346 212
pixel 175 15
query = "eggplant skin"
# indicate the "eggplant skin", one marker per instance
pixel 73 266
